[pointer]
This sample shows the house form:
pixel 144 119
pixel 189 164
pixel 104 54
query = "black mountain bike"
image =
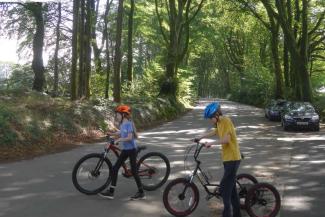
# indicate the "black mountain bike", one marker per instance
pixel 92 173
pixel 181 196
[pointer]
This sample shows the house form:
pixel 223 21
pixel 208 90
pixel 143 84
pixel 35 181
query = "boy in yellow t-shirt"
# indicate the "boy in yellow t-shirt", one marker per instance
pixel 230 156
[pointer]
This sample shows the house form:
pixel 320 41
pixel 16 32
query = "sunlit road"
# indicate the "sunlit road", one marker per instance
pixel 293 162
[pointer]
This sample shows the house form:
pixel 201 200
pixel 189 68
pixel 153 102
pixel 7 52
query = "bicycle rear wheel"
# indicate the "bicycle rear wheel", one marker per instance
pixel 263 200
pixel 243 183
pixel 181 197
pixel 153 170
pixel 91 174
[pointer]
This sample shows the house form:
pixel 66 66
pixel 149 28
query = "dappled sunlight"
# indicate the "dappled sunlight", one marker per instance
pixel 176 163
pixel 22 196
pixel 179 150
pixel 46 124
pixel 6 174
pixel 29 182
pixel 147 207
pixel 188 132
pixel 298 203
pixel 10 189
pixel 307 138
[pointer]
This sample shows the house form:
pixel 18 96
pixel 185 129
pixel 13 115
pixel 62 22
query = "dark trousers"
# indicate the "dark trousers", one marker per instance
pixel 228 189
pixel 132 154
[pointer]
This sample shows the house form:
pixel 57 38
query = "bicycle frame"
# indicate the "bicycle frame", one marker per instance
pixel 117 151
pixel 203 179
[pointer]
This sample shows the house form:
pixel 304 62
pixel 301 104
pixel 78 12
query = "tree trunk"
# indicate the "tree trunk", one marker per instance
pixel 96 49
pixel 298 48
pixel 177 42
pixel 108 67
pixel 306 85
pixel 81 47
pixel 74 59
pixel 88 37
pixel 106 38
pixel 38 43
pixel 56 59
pixel 276 62
pixel 130 50
pixel 118 54
pixel 286 66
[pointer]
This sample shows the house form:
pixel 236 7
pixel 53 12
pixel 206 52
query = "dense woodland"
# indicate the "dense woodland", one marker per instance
pixel 246 50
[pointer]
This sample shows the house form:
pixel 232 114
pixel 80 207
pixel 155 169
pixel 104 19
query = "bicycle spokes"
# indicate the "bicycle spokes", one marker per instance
pixel 263 200
pixel 152 171
pixel 92 173
pixel 181 197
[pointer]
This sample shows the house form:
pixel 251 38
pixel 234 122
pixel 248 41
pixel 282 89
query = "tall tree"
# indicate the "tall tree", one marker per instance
pixel 56 59
pixel 180 13
pixel 74 58
pixel 273 26
pixel 130 43
pixel 118 53
pixel 36 10
pixel 107 46
pixel 297 46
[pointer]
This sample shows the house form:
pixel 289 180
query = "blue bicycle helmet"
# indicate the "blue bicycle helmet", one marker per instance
pixel 211 109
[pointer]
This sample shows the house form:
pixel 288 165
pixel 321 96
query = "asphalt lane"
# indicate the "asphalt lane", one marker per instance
pixel 293 162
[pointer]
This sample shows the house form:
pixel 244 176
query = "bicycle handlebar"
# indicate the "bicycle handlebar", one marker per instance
pixel 198 149
pixel 110 140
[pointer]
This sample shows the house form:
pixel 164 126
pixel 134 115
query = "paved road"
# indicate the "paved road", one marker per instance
pixel 294 162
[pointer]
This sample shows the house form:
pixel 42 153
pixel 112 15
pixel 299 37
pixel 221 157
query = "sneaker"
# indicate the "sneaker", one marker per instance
pixel 138 196
pixel 107 194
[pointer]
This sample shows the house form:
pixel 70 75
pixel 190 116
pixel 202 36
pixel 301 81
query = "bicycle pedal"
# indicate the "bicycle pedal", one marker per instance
pixel 208 197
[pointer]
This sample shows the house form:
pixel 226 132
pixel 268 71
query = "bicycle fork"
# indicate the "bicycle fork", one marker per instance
pixel 96 172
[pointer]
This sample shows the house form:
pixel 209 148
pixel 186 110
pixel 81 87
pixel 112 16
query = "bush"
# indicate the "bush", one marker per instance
pixel 7 135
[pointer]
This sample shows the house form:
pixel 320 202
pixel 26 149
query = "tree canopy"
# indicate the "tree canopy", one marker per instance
pixel 246 50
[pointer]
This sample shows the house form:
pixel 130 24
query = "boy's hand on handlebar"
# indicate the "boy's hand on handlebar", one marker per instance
pixel 196 140
pixel 207 145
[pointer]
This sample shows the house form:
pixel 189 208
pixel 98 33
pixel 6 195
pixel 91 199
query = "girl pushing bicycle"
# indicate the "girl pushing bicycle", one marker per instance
pixel 231 157
pixel 126 135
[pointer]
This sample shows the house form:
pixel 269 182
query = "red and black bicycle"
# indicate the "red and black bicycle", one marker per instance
pixel 92 173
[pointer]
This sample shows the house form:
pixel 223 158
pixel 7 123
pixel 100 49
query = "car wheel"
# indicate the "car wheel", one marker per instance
pixel 316 128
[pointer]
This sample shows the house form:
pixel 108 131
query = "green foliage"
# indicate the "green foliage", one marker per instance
pixel 7 134
pixel 186 91
pixel 22 77
pixel 257 89
pixel 97 85
pixel 147 85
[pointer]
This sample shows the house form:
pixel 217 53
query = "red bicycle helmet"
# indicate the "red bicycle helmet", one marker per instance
pixel 123 109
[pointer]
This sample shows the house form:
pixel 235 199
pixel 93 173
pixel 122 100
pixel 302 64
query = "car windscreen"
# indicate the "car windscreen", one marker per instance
pixel 301 107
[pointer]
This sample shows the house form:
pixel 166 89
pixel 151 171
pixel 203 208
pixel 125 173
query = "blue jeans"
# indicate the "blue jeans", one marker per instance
pixel 228 189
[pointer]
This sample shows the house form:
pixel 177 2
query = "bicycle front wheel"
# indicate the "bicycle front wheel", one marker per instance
pixel 181 197
pixel 263 200
pixel 91 174
pixel 153 170
pixel 243 183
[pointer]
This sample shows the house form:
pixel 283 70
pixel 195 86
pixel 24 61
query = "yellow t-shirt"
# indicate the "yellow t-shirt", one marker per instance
pixel 230 151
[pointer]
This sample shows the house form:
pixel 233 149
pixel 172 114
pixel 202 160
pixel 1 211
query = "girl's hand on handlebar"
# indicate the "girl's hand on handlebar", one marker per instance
pixel 116 142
